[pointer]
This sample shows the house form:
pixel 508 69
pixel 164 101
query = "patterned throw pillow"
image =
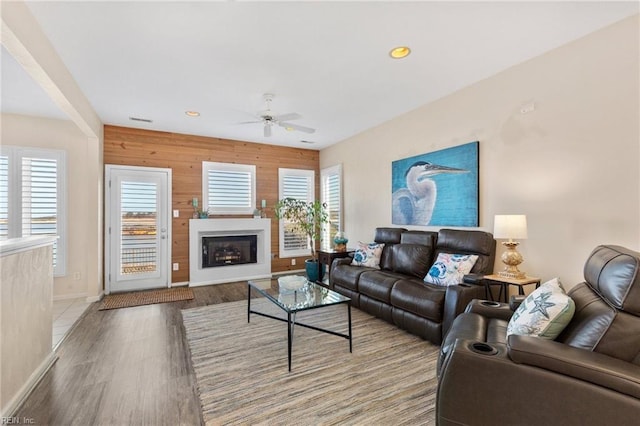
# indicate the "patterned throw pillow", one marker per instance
pixel 368 255
pixel 544 313
pixel 449 269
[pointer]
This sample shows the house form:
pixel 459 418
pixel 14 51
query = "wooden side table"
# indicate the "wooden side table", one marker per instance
pixel 506 282
pixel 325 257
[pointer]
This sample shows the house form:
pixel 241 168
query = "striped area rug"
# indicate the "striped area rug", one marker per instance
pixel 139 298
pixel 242 376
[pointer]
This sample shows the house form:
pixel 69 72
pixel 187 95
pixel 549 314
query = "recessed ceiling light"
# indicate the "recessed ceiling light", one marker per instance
pixel 399 52
pixel 192 113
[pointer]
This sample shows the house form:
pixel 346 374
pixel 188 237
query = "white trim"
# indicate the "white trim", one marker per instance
pixel 28 387
pixel 92 299
pixel 246 168
pixel 109 169
pixel 289 272
pixel 180 284
pixel 69 296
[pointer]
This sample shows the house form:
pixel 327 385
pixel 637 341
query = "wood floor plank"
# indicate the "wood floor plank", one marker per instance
pixel 126 366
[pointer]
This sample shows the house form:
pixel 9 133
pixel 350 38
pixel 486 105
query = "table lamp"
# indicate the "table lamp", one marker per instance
pixel 510 227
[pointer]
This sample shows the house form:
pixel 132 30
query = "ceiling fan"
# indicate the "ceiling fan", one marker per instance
pixel 269 118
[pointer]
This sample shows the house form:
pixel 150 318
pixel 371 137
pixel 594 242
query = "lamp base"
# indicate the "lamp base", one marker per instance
pixel 511 258
pixel 519 275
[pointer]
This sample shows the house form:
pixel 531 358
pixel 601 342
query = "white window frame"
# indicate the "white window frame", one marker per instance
pixel 310 175
pixel 15 155
pixel 325 174
pixel 228 167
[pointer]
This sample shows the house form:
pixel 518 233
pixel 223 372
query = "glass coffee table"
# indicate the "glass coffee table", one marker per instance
pixel 311 296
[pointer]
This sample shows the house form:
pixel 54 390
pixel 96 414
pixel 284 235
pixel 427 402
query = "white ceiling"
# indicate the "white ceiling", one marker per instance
pixel 327 61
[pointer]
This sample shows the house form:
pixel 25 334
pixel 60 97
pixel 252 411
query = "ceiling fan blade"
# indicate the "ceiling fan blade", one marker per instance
pixel 291 126
pixel 288 116
pixel 250 122
pixel 267 129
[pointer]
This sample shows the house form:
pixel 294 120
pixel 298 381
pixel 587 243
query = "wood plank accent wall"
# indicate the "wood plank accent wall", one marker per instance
pixel 184 154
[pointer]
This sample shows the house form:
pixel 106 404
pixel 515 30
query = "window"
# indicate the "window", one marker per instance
pixel 331 190
pixel 32 189
pixel 298 184
pixel 228 188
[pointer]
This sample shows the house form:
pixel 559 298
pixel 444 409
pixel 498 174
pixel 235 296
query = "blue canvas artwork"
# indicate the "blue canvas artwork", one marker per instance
pixel 439 188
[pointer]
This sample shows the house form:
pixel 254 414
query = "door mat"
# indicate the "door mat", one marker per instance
pixel 139 298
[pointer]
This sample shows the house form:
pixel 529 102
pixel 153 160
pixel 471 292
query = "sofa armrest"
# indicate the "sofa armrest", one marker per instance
pixel 456 300
pixel 490 309
pixel 340 261
pixel 592 367
pixel 480 384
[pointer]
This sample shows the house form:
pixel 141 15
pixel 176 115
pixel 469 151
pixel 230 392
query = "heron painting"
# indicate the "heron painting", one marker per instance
pixel 437 189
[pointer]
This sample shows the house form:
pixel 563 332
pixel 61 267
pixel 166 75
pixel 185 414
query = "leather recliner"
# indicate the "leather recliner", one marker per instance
pixel 588 375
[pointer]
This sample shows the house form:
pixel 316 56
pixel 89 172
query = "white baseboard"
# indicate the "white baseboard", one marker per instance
pixel 9 410
pixel 289 272
pixel 69 296
pixel 180 284
pixel 91 299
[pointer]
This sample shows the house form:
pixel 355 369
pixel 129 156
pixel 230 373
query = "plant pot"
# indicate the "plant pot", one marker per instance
pixel 314 272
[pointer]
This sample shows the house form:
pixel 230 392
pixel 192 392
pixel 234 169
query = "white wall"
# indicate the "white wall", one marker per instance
pixel 64 135
pixel 571 165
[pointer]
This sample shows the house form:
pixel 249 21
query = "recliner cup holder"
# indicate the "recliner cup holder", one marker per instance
pixel 483 348
pixel 490 303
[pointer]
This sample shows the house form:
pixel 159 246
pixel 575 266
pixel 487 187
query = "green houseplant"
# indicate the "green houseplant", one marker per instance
pixel 307 217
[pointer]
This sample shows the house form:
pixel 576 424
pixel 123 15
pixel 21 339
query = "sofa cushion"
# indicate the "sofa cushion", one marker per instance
pixel 411 259
pixel 450 269
pixel 368 255
pixel 419 298
pixel 347 275
pixel 544 313
pixel 378 284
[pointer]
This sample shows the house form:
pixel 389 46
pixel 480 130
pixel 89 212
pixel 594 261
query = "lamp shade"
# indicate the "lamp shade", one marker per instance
pixel 511 226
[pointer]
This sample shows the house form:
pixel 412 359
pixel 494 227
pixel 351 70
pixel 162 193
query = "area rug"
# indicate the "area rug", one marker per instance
pixel 242 375
pixel 139 298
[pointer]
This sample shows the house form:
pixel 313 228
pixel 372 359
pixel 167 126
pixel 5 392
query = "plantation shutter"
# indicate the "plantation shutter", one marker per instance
pixel 32 203
pixel 297 187
pixel 300 185
pixel 4 197
pixel 40 199
pixel 228 188
pixel 331 196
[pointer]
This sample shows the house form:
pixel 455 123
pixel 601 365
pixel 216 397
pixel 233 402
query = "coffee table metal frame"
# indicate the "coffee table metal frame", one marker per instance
pixel 332 299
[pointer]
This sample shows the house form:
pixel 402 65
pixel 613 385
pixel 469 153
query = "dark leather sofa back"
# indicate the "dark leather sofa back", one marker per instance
pixel 389 237
pixel 607 319
pixel 469 242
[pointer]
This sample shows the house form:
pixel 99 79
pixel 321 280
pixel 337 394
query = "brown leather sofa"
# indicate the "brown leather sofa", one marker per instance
pixel 588 375
pixel 397 293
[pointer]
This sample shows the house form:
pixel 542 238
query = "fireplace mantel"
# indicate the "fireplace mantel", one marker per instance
pixel 199 228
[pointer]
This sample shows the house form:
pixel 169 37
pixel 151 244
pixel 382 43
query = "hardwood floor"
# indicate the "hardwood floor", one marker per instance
pixel 125 367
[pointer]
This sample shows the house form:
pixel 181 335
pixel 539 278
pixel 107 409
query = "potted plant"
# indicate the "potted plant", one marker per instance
pixel 307 217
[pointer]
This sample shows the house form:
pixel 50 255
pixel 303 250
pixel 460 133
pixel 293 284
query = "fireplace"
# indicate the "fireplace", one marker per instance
pixel 229 250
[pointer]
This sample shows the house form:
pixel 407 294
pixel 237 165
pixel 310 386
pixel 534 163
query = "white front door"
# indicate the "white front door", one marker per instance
pixel 138 228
